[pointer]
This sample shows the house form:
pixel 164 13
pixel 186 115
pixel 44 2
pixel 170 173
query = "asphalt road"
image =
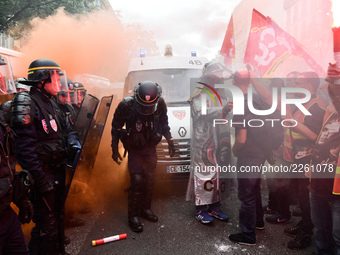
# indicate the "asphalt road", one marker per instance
pixel 176 232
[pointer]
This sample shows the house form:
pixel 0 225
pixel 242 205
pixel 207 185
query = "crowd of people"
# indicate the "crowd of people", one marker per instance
pixel 37 132
pixel 310 142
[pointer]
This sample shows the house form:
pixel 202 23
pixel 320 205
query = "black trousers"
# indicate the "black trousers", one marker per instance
pixel 12 241
pixel 142 165
pixel 47 237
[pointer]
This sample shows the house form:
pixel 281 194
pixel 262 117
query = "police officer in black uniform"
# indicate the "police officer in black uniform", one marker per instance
pixel 146 120
pixel 12 239
pixel 42 150
pixel 64 101
pixel 67 112
pixel 79 94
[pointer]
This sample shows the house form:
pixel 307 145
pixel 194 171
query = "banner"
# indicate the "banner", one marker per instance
pixel 269 46
pixel 228 46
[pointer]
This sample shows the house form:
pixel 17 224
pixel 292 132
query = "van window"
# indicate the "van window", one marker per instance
pixel 175 83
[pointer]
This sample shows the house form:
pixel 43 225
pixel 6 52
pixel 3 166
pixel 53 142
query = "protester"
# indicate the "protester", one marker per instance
pixel 299 144
pixel 205 149
pixel 325 185
pixel 248 153
pixel 275 182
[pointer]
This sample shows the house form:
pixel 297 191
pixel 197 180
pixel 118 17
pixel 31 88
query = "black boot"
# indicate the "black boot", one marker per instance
pixel 146 211
pixel 135 224
pixel 149 215
pixel 134 203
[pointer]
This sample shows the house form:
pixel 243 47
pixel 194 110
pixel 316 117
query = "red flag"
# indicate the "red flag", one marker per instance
pixel 228 46
pixel 269 46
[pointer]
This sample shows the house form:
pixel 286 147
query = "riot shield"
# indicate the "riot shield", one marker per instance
pixel 85 116
pixel 92 142
pixel 82 125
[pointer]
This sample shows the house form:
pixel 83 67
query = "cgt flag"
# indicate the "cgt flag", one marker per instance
pixel 228 46
pixel 269 46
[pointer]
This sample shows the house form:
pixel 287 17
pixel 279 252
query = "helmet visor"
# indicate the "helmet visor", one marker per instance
pixel 145 109
pixel 63 97
pixel 58 82
pixel 73 97
pixel 80 95
pixel 7 85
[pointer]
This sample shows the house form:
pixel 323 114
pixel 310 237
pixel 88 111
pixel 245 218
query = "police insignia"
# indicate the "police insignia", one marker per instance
pixel 44 124
pixel 139 126
pixel 147 97
pixel 54 125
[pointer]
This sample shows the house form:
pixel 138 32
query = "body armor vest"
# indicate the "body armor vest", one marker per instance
pixel 7 166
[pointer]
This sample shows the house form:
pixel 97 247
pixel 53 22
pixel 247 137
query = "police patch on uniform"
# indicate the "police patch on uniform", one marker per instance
pixel 54 125
pixel 44 124
pixel 139 126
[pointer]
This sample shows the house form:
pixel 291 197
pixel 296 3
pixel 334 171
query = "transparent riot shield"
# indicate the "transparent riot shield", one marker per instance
pixel 92 142
pixel 82 126
pixel 85 116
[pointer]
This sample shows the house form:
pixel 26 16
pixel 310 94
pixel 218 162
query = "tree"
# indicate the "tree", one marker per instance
pixel 140 39
pixel 20 12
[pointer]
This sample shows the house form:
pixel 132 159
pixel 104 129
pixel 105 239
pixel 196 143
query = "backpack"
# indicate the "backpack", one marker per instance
pixel 269 136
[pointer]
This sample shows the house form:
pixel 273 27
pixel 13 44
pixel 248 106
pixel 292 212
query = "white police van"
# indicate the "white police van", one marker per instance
pixel 173 74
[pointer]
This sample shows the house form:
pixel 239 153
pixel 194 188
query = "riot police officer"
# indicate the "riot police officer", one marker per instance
pixel 21 87
pixel 12 239
pixel 65 101
pixel 67 112
pixel 78 96
pixel 42 150
pixel 146 120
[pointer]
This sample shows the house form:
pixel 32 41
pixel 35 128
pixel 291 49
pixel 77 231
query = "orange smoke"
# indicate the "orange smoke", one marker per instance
pixel 92 43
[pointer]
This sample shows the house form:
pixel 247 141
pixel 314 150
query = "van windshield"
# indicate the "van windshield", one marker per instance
pixel 175 83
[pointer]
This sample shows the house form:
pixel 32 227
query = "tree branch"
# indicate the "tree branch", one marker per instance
pixel 17 14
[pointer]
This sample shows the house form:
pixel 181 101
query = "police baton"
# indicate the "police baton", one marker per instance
pixel 47 205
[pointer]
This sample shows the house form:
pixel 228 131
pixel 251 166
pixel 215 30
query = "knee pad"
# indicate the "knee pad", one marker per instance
pixel 149 180
pixel 136 182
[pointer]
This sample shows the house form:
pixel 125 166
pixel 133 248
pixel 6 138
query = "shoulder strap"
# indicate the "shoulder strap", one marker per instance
pixel 47 115
pixel 42 106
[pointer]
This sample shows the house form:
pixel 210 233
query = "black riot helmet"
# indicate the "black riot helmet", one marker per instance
pixel 146 95
pixel 42 71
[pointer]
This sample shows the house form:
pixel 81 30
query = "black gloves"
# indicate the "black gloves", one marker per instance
pixel 25 211
pixel 171 147
pixel 43 185
pixel 116 156
pixel 75 145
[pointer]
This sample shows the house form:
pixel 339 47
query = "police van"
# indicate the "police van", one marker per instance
pixel 173 74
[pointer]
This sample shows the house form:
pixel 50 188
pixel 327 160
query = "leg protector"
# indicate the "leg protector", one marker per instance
pixel 134 199
pixel 147 197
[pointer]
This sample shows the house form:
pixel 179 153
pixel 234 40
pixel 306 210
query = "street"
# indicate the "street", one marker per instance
pixel 176 232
